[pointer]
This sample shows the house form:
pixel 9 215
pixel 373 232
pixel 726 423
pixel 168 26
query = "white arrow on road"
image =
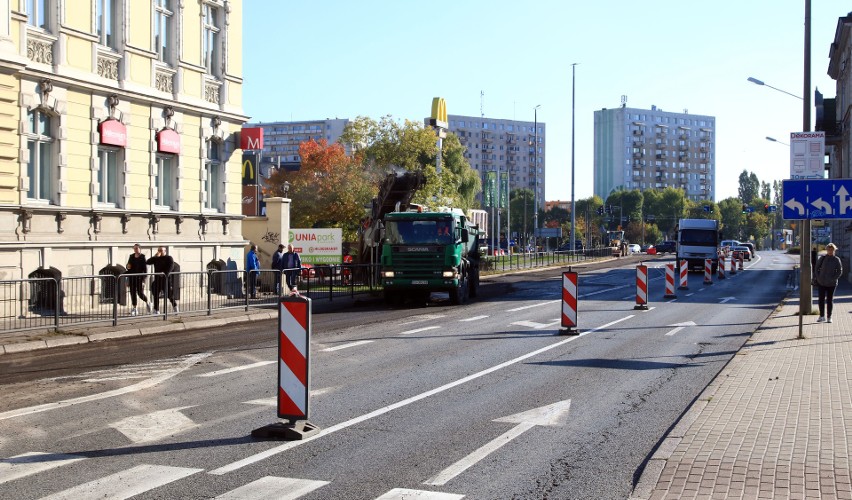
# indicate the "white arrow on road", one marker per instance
pixel 792 204
pixel 845 201
pixel 822 205
pixel 554 414
pixel 727 299
pixel 680 326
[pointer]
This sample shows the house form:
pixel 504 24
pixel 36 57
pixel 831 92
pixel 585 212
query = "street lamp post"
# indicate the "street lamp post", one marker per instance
pixel 535 178
pixel 573 206
pixel 772 139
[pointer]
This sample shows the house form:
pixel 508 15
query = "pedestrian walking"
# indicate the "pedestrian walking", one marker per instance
pixel 252 268
pixel 292 265
pixel 826 273
pixel 136 268
pixel 163 265
pixel 277 259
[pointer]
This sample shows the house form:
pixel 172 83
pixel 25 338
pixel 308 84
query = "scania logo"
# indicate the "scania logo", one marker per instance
pixel 417 249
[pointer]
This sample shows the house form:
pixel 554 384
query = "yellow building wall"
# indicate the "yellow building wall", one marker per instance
pixel 139 11
pixel 138 157
pixel 190 182
pixel 79 53
pixel 140 69
pixel 78 149
pixel 235 41
pixel 78 15
pixel 191 50
pixel 234 186
pixel 10 168
pixel 191 83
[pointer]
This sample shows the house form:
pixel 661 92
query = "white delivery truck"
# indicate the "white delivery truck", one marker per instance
pixel 698 240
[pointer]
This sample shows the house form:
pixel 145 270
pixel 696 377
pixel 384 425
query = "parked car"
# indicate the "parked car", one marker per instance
pixel 745 251
pixel 750 246
pixel 633 248
pixel 729 243
pixel 666 247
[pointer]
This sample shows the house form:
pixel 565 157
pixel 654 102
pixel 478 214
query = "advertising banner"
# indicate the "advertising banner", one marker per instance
pixel 504 189
pixel 318 246
pixel 490 192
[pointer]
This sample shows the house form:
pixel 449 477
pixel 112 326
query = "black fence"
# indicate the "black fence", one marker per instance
pixel 57 302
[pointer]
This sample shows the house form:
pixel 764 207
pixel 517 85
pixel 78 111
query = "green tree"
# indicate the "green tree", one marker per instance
pixel 765 191
pixel 733 220
pixel 695 210
pixel 667 207
pixel 749 187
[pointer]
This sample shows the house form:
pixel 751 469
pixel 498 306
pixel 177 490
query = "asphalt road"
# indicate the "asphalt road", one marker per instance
pixel 484 400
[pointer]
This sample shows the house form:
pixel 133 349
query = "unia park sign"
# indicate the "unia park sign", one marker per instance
pixel 318 246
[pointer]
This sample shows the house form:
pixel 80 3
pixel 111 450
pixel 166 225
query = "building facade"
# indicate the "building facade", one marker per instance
pixel 653 149
pixel 119 123
pixel 837 124
pixel 497 145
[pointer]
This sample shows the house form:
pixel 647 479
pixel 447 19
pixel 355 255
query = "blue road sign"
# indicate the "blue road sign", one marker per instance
pixel 817 199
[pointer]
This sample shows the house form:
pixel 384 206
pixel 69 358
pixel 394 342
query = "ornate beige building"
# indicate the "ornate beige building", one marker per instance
pixel 119 123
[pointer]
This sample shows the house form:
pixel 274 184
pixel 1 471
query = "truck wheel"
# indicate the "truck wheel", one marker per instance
pixel 459 294
pixel 394 299
pixel 473 286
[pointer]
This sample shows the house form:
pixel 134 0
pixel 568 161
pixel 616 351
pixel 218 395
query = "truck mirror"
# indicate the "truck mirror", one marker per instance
pixel 465 236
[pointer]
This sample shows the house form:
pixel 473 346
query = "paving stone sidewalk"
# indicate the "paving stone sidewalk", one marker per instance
pixel 775 423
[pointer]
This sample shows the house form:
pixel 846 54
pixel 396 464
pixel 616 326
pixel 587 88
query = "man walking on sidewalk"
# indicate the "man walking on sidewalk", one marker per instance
pixel 826 273
pixel 136 266
pixel 252 268
pixel 163 265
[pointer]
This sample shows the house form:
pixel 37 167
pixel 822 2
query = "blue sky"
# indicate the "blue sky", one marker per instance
pixel 343 58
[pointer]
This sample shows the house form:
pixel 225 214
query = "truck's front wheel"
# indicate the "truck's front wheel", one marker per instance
pixel 459 294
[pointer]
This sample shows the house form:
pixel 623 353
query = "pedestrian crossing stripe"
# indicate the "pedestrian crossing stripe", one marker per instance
pixel 31 463
pixel 280 488
pixel 406 494
pixel 125 484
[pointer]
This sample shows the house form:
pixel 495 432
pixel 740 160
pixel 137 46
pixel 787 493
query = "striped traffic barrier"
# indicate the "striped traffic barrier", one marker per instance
pixel 641 287
pixel 569 302
pixel 741 260
pixel 734 264
pixel 722 267
pixel 294 368
pixel 670 282
pixel 684 275
pixel 708 271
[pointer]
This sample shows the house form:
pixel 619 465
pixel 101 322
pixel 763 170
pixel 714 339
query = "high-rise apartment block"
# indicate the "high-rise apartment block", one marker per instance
pixel 281 139
pixel 505 146
pixel 654 149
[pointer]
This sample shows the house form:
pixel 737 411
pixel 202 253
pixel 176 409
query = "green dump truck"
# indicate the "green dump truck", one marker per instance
pixel 425 252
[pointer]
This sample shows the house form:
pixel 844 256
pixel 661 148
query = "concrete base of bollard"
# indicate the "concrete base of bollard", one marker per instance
pixel 286 431
pixel 640 307
pixel 569 331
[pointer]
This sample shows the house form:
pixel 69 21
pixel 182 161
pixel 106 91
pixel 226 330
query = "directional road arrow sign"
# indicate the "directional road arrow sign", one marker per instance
pixel 817 199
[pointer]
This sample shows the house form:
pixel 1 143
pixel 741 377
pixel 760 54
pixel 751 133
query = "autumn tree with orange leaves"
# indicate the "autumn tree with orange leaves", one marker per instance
pixel 329 190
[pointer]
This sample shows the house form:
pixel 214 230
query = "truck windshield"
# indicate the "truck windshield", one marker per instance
pixel 419 232
pixel 698 237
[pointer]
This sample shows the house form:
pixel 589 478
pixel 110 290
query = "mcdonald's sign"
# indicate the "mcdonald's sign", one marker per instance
pixel 251 139
pixel 249 173
pixel 439 113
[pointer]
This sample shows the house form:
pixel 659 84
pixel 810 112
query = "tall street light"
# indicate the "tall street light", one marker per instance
pixel 573 206
pixel 761 83
pixel 535 177
pixel 772 139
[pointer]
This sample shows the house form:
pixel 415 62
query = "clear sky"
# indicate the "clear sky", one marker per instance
pixel 305 60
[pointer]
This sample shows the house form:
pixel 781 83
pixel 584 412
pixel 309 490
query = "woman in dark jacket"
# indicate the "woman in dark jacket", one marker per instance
pixel 827 272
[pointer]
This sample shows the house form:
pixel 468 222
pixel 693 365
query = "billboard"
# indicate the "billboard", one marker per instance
pixel 318 246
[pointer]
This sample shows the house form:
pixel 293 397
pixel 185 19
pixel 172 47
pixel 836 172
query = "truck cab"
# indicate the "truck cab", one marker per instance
pixel 698 241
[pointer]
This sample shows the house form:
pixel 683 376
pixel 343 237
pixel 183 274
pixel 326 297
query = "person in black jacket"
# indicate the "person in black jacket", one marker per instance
pixel 163 265
pixel 136 266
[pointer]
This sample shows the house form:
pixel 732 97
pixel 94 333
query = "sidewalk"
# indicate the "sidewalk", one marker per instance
pixel 775 423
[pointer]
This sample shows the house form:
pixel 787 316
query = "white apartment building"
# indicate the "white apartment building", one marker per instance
pixel 281 139
pixel 654 149
pixel 505 146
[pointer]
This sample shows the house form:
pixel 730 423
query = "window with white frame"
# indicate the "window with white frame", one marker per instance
pixel 164 19
pixel 39 134
pixel 37 13
pixel 165 181
pixel 106 18
pixel 210 29
pixel 109 176
pixel 214 182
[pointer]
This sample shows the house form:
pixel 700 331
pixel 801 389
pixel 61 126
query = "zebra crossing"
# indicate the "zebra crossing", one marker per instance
pixel 144 478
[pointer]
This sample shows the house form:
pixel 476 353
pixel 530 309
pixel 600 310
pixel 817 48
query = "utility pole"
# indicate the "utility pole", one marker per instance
pixel 805 292
pixel 573 206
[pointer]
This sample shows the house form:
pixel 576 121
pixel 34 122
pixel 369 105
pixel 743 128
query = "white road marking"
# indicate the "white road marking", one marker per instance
pixel 534 305
pixel 680 326
pixel 474 318
pixel 236 369
pixel 399 404
pixel 550 415
pixel 533 324
pixel 126 484
pixel 690 294
pixel 155 425
pixel 280 488
pixel 628 297
pixel 670 301
pixel 274 401
pixel 422 317
pixel 345 346
pixel 649 309
pixel 418 330
pixel 406 494
pixel 145 384
pixel 32 463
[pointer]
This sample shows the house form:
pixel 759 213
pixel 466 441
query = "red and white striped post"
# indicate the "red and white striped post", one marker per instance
pixel 670 282
pixel 684 275
pixel 708 271
pixel 722 267
pixel 741 260
pixel 569 302
pixel 641 287
pixel 734 264
pixel 294 368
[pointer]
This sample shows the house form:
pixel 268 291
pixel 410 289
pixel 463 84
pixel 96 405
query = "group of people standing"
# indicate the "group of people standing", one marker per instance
pixel 287 262
pixel 163 265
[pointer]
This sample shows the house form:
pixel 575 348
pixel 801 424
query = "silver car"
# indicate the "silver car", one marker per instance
pixel 746 251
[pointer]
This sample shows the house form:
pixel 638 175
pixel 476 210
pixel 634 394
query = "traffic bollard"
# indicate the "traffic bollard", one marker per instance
pixel 708 271
pixel 569 302
pixel 684 275
pixel 641 287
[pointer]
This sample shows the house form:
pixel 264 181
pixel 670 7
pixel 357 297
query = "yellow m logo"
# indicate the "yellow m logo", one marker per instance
pixel 439 111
